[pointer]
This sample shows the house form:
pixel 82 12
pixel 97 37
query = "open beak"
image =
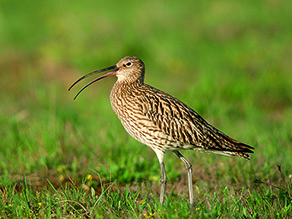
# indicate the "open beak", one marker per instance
pixel 114 68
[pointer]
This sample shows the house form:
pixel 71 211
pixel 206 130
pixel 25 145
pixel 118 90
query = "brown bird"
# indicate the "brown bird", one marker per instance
pixel 161 121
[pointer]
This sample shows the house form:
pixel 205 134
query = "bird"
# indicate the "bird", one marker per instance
pixel 161 121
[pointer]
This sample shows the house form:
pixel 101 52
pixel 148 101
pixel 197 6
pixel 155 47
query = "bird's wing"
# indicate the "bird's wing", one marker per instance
pixel 183 124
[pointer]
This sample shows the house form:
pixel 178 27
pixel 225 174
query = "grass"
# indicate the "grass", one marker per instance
pixel 63 158
pixel 110 200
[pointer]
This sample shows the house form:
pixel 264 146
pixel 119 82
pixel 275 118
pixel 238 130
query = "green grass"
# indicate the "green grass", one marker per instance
pixel 111 200
pixel 230 62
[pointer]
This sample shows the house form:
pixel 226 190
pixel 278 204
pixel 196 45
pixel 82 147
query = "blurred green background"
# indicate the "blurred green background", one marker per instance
pixel 228 60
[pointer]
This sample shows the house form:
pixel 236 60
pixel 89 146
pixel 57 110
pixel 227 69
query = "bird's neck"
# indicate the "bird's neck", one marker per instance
pixel 126 87
pixel 122 93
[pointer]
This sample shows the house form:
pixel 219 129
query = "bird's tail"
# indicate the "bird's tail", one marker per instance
pixel 236 148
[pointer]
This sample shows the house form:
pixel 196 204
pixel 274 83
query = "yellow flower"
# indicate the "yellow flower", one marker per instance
pixel 61 178
pixel 40 204
pixel 152 214
pixel 89 177
pixel 61 168
pixel 197 209
pixel 141 202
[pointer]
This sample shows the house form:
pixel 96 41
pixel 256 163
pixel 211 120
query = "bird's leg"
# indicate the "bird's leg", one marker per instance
pixel 163 178
pixel 190 179
pixel 163 181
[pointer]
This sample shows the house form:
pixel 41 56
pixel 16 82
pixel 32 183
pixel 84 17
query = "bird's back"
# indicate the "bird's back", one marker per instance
pixel 161 121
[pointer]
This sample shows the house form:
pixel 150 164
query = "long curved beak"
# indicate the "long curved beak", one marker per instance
pixel 114 68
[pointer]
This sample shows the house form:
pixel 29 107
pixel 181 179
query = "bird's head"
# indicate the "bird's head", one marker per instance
pixel 129 69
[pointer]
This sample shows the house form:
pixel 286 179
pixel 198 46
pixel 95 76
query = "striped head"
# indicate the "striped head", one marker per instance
pixel 129 69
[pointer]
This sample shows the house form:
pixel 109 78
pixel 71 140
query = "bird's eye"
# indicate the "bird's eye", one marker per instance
pixel 128 64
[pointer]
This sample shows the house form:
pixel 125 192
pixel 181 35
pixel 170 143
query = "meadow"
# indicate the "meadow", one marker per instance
pixel 59 158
